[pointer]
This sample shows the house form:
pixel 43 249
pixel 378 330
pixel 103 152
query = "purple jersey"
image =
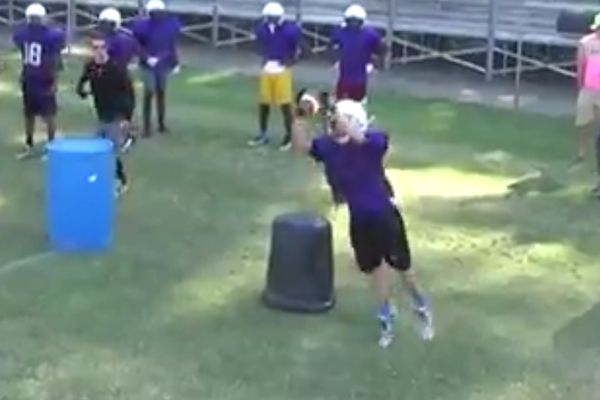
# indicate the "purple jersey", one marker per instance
pixel 278 42
pixel 158 39
pixel 122 47
pixel 40 48
pixel 356 48
pixel 357 170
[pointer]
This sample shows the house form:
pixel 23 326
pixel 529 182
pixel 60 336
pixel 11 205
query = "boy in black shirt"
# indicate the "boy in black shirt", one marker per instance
pixel 110 85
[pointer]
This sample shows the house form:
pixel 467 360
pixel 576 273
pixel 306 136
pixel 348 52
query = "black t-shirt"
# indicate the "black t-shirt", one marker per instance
pixel 111 85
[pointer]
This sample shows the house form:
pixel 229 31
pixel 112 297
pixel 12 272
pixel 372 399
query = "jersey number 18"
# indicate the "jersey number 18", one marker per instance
pixel 32 54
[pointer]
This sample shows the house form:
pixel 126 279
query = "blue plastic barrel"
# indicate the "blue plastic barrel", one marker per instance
pixel 80 197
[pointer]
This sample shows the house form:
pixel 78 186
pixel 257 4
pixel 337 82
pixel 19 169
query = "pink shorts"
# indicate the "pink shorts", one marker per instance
pixel 351 90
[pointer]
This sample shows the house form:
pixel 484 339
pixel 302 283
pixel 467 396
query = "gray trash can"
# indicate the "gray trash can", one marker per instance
pixel 300 274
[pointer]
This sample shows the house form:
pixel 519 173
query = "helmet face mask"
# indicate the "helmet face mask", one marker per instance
pixel 354 23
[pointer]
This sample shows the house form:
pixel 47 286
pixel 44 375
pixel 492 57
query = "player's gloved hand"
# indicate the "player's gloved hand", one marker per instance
pixel 152 61
pixel 371 69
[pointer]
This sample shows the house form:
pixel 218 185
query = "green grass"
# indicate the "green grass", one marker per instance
pixel 173 312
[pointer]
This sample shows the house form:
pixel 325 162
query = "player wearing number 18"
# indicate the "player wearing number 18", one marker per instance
pixel 40 46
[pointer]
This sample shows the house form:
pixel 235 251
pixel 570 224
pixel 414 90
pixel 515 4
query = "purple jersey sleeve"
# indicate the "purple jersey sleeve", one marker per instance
pixel 374 41
pixel 336 36
pixel 59 40
pixel 18 37
pixel 377 143
pixel 177 26
pixel 259 32
pixel 295 34
pixel 318 148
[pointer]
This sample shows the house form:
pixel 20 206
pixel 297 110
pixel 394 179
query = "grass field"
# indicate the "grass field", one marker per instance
pixel 173 312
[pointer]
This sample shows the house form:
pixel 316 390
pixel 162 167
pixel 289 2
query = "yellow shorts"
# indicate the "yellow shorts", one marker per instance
pixel 276 89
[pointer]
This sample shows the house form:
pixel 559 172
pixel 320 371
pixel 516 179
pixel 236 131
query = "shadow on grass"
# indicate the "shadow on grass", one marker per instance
pixel 577 347
pixel 561 217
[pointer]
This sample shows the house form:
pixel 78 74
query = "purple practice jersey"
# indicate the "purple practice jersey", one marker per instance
pixel 357 170
pixel 122 47
pixel 40 48
pixel 356 48
pixel 278 42
pixel 158 38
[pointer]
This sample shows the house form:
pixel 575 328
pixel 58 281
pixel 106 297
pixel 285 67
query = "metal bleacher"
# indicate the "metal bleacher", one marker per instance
pixel 487 36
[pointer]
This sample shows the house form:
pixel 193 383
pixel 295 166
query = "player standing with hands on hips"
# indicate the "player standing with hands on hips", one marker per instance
pixel 279 43
pixel 40 46
pixel 352 153
pixel 157 35
pixel 109 83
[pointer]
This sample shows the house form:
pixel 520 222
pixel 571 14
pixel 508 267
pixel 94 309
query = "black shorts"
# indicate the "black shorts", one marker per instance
pixel 378 239
pixel 38 102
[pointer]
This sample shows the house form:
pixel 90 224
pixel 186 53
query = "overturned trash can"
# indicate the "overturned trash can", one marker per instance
pixel 300 274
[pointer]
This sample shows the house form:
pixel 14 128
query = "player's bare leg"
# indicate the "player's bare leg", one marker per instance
pixel 28 149
pixel 583 138
pixel 288 119
pixel 264 110
pixel 597 151
pixel 50 127
pixel 383 282
pixel 421 306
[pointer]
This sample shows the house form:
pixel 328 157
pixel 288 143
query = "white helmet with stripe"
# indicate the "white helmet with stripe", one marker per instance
pixel 354 112
pixel 35 10
pixel 356 11
pixel 273 9
pixel 155 5
pixel 111 14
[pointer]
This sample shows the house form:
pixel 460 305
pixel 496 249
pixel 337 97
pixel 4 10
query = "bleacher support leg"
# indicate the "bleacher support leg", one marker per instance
pixel 491 40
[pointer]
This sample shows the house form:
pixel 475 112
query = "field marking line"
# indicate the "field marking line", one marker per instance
pixel 24 262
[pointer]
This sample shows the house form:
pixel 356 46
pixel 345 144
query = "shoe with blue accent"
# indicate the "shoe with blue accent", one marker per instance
pixel 425 318
pixel 386 317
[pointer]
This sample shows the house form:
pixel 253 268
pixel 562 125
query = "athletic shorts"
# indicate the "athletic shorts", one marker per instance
pixel 275 89
pixel 38 101
pixel 588 107
pixel 351 90
pixel 378 239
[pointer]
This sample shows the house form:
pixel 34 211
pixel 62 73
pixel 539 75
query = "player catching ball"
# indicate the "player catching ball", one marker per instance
pixel 352 155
